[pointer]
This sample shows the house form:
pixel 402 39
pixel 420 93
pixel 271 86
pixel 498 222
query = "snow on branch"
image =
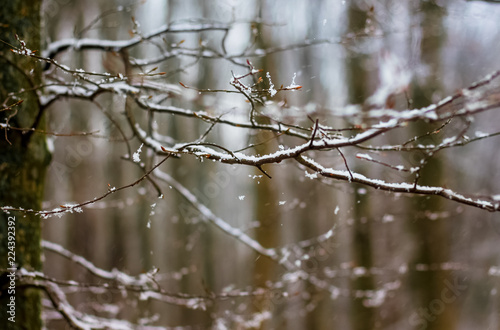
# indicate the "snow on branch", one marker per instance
pixel 402 187
pixel 145 284
pixel 117 45
pixel 142 281
pixel 479 97
pixel 218 222
pixel 72 207
pixel 301 137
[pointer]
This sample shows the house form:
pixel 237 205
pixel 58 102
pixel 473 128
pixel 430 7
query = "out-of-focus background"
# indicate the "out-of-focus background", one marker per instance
pixel 393 261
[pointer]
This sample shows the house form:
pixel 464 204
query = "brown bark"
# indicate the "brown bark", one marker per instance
pixel 23 160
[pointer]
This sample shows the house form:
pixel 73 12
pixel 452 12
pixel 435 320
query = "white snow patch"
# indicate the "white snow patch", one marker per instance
pixel 293 84
pixel 136 156
pixel 394 78
pixel 364 156
pixel 272 91
pixel 311 175
pixel 494 271
pixel 50 144
pixel 388 218
pixel 449 140
pixel 359 271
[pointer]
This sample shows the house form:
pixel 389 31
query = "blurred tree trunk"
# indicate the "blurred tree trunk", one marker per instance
pixel 190 175
pixel 362 317
pixel 23 158
pixel 432 237
pixel 266 201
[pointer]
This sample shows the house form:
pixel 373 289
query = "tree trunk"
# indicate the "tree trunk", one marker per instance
pixel 432 237
pixel 362 317
pixel 23 162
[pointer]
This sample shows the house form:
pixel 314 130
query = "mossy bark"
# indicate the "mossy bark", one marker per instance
pixel 23 159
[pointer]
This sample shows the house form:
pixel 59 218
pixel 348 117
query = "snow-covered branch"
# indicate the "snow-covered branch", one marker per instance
pixel 116 45
pixel 402 187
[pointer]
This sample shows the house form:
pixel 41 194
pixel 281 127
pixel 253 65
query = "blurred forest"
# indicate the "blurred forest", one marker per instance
pixel 364 258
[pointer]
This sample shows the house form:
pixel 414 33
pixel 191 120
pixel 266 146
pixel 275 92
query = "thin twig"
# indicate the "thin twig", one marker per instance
pixel 346 165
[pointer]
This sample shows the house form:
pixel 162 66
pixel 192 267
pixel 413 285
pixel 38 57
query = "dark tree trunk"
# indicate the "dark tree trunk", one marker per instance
pixel 432 237
pixel 23 160
pixel 362 317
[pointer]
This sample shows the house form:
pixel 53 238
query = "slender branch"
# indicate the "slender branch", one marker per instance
pixel 398 187
pixel 70 208
pixel 346 165
pixel 116 45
